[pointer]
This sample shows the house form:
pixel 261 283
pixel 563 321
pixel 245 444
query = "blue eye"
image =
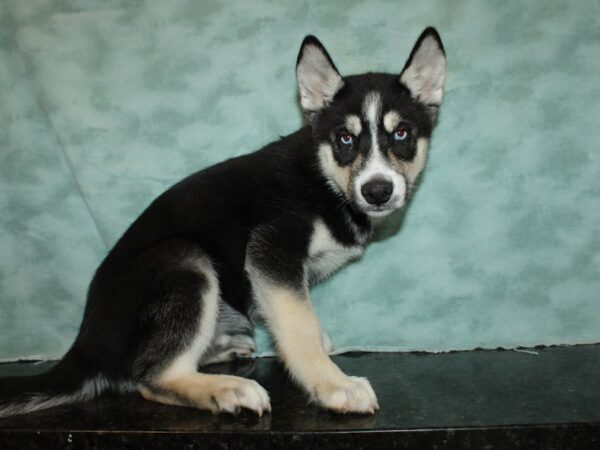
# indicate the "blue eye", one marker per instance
pixel 400 134
pixel 346 139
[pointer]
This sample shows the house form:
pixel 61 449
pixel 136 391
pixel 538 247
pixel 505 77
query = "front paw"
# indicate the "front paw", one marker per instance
pixel 349 395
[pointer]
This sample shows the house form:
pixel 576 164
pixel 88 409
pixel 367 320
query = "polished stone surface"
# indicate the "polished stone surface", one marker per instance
pixel 537 398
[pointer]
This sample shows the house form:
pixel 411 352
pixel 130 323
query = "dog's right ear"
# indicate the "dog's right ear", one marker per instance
pixel 318 78
pixel 425 70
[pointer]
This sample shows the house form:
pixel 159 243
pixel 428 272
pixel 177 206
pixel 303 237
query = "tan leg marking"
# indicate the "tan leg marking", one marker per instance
pixel 299 340
pixel 217 393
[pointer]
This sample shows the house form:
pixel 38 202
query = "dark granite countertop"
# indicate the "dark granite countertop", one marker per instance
pixel 546 398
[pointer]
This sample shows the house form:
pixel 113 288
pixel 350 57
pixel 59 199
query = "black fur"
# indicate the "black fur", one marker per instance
pixel 143 303
pixel 328 125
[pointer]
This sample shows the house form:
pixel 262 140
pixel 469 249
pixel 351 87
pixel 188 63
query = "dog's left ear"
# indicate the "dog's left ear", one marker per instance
pixel 425 70
pixel 318 78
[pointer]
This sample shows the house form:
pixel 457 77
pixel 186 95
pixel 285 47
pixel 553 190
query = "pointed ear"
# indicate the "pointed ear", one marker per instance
pixel 425 69
pixel 318 78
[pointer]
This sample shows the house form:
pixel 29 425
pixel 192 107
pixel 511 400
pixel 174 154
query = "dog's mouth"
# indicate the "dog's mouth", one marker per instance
pixel 383 210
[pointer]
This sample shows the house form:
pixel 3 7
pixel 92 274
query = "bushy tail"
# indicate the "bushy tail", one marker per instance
pixel 66 382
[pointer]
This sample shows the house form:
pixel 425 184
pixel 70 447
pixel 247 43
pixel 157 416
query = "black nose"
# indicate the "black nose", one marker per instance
pixel 377 192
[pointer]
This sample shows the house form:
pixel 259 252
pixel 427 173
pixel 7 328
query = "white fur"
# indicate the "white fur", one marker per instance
pixel 372 111
pixel 354 394
pixel 231 393
pixel 376 166
pixel 326 254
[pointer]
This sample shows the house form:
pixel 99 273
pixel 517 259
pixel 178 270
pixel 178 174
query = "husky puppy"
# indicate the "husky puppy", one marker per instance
pixel 249 236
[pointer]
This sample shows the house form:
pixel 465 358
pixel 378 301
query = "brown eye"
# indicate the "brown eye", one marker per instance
pixel 401 134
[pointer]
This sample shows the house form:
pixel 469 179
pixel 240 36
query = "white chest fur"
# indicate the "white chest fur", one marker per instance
pixel 326 254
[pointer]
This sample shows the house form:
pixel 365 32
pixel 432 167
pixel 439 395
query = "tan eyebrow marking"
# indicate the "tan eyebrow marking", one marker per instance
pixel 353 124
pixel 391 119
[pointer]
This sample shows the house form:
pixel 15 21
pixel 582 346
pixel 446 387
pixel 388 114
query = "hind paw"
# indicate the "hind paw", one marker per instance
pixel 231 394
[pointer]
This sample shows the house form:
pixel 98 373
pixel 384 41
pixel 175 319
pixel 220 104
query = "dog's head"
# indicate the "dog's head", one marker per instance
pixel 372 130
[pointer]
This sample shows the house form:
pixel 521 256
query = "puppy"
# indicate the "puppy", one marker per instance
pixel 247 237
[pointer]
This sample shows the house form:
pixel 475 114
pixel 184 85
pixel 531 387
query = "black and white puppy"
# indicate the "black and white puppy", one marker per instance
pixel 248 237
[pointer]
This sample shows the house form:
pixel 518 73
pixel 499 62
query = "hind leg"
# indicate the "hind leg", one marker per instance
pixel 217 393
pixel 180 322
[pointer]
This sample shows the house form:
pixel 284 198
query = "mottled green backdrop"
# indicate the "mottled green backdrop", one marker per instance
pixel 104 104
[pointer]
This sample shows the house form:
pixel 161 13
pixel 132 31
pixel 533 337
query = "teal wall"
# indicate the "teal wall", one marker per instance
pixel 104 104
